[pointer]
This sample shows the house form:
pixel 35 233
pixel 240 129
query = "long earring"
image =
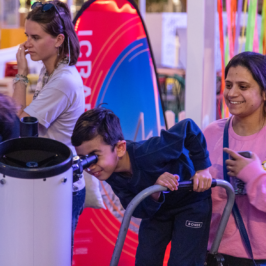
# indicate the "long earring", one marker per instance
pixel 68 44
pixel 58 52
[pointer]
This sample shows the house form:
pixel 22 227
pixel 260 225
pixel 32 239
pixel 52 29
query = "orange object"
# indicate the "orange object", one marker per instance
pixel 11 69
pixel 233 21
pixel 12 37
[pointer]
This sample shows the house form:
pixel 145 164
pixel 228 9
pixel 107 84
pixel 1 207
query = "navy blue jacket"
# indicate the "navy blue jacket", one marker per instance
pixel 181 150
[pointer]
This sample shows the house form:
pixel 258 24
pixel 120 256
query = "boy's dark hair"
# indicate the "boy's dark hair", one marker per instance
pixel 97 121
pixel 254 62
pixel 52 24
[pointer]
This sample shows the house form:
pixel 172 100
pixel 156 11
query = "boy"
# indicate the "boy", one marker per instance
pixel 182 217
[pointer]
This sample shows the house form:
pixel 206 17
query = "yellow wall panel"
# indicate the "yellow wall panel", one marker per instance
pixel 12 37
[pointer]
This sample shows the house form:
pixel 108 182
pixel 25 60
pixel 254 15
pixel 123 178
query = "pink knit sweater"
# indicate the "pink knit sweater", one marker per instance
pixel 253 205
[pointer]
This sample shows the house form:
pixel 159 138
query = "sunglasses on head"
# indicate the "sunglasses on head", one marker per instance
pixel 46 7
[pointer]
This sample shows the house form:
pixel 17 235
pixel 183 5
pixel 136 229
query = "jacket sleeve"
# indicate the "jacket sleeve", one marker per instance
pixel 195 143
pixel 172 143
pixel 255 178
pixel 146 208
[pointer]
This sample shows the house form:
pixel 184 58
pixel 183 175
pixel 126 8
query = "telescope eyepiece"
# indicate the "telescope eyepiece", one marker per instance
pixel 81 163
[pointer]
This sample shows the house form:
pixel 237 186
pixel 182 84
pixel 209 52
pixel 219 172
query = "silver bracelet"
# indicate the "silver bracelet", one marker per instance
pixel 21 78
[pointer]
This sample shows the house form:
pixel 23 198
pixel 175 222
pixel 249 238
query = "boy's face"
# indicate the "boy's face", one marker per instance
pixel 107 159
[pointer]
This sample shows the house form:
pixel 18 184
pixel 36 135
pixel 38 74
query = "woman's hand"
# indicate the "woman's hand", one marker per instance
pixel 238 162
pixel 22 61
pixel 202 180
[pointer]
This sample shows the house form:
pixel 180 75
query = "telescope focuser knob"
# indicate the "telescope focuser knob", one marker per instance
pixel 80 163
pixel 77 166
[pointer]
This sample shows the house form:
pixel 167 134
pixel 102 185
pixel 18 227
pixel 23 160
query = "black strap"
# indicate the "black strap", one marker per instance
pixel 236 212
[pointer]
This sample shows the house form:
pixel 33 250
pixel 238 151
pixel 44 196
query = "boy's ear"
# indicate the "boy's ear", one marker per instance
pixel 121 148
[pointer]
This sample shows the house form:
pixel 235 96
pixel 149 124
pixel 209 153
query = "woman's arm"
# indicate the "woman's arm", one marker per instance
pixel 19 94
pixel 255 178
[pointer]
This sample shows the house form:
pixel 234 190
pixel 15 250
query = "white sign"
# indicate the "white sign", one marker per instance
pixel 9 15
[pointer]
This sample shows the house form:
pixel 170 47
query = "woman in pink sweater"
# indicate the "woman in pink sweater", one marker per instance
pixel 245 96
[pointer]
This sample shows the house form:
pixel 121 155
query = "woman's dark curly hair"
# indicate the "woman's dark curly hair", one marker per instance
pixel 8 116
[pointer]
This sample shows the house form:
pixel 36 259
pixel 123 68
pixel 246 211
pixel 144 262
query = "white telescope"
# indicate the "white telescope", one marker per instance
pixel 35 202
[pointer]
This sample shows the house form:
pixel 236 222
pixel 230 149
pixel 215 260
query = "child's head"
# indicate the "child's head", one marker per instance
pixel 98 131
pixel 97 122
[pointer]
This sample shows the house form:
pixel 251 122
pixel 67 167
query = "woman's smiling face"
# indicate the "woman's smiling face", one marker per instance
pixel 242 93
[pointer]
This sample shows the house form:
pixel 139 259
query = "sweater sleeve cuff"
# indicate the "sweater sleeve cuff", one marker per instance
pixel 201 165
pixel 250 171
pixel 152 204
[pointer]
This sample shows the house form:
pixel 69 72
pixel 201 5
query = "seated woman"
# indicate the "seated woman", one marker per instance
pixel 245 96
pixel 9 122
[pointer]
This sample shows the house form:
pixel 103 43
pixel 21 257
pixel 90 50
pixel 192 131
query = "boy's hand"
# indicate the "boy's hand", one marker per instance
pixel 202 180
pixel 168 180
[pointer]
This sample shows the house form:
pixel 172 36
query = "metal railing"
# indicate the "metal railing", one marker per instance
pixel 182 185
